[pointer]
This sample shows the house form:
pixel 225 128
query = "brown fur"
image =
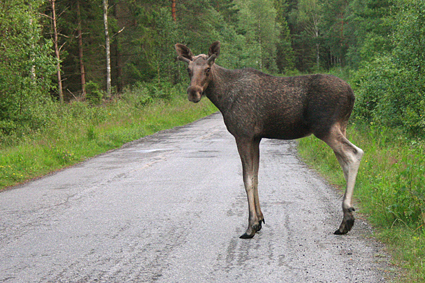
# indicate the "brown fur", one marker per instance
pixel 256 105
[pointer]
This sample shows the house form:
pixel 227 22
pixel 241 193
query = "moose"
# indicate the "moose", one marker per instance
pixel 255 105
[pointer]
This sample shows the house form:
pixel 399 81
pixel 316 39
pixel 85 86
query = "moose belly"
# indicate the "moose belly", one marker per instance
pixel 278 129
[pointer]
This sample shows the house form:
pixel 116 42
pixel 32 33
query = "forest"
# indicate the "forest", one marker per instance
pixel 78 78
pixel 58 51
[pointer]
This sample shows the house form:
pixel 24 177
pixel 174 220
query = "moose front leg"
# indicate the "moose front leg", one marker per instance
pixel 249 153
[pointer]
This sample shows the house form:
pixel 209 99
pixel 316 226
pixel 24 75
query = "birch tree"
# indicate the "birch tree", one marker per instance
pixel 309 16
pixel 80 51
pixel 26 67
pixel 57 50
pixel 257 20
pixel 107 48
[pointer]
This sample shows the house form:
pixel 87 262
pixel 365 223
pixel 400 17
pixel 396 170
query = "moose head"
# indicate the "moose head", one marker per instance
pixel 200 69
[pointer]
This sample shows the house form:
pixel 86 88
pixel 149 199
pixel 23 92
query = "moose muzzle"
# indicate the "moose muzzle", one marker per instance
pixel 194 93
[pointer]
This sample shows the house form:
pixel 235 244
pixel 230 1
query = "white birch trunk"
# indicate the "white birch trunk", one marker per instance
pixel 57 51
pixel 108 51
pixel 80 52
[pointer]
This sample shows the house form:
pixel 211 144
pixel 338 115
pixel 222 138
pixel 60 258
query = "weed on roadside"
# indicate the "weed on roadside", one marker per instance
pixel 79 130
pixel 390 188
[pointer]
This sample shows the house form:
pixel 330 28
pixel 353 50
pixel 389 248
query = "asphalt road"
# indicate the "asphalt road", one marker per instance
pixel 171 207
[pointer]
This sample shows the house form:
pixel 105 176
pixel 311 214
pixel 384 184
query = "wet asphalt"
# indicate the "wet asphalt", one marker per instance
pixel 170 208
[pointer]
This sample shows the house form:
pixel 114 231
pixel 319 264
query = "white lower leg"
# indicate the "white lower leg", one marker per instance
pixel 352 168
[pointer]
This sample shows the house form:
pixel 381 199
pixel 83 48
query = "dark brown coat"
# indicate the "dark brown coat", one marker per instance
pixel 256 105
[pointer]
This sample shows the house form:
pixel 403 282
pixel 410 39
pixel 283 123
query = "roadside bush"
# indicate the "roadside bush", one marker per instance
pixel 142 94
pixel 93 94
pixel 390 88
pixel 26 66
pixel 372 85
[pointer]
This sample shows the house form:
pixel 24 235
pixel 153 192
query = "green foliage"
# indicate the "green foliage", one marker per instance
pixel 391 87
pixel 257 22
pixel 285 60
pixel 373 86
pixel 390 186
pixel 371 23
pixel 393 178
pixel 26 67
pixel 76 131
pixel 198 24
pixel 379 43
pixel 93 94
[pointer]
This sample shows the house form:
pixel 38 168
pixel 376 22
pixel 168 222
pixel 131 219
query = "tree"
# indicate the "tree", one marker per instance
pixel 370 23
pixel 82 44
pixel 57 50
pixel 309 17
pixel 336 33
pixel 80 51
pixel 173 10
pixel 26 67
pixel 107 48
pixel 391 85
pixel 257 22
pixel 285 54
pixel 198 23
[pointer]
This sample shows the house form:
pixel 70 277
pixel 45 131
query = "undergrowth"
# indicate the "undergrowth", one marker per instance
pixel 390 188
pixel 79 130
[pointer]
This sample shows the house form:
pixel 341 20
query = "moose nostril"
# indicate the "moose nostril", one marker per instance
pixel 194 90
pixel 194 93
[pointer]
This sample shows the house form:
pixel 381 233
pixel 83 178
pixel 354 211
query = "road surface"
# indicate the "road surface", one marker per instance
pixel 170 208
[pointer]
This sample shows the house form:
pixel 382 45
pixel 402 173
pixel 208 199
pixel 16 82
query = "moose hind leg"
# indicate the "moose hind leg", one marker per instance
pixel 349 157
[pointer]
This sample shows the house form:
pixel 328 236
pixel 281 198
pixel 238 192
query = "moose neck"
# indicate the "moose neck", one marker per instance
pixel 219 89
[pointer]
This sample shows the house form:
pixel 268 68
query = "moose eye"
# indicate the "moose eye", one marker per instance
pixel 207 70
pixel 188 71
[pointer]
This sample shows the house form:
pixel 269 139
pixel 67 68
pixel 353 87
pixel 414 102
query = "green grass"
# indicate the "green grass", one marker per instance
pixel 78 131
pixel 390 189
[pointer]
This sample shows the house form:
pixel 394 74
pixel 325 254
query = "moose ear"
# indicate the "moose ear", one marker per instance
pixel 213 52
pixel 183 52
pixel 214 49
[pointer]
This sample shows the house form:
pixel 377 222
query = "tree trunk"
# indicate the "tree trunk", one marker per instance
pixel 108 51
pixel 317 56
pixel 173 10
pixel 118 46
pixel 316 27
pixel 33 75
pixel 57 51
pixel 80 52
pixel 260 44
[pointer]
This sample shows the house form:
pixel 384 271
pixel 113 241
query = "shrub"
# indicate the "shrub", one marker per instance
pixel 93 94
pixel 390 88
pixel 26 66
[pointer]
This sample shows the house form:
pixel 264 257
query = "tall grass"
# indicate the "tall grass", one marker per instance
pixel 77 131
pixel 390 188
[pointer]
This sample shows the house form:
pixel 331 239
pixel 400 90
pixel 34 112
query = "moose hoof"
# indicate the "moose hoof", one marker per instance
pixel 257 227
pixel 250 232
pixel 247 236
pixel 338 232
pixel 347 223
pixel 345 228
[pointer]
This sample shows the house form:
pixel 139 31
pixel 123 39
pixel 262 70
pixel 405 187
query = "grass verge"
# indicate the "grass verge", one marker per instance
pixel 390 189
pixel 78 131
